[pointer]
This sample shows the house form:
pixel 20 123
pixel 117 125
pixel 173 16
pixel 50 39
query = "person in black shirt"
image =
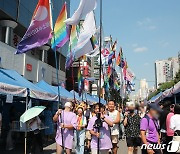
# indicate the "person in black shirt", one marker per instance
pixel 132 129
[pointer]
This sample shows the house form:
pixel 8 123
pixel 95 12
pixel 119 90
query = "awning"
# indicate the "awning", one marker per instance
pixel 156 98
pixel 102 100
pixel 167 93
pixel 13 83
pixel 85 97
pixel 65 94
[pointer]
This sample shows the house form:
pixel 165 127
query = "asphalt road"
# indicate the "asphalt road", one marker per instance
pixel 50 148
pixel 122 148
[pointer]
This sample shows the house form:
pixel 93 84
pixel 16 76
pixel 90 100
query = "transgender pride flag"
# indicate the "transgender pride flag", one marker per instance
pixel 39 31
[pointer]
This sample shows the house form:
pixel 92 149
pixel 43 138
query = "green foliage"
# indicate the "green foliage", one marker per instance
pixel 177 77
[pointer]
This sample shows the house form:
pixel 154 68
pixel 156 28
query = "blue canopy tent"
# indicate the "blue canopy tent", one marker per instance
pixel 85 97
pixel 168 93
pixel 156 98
pixel 54 89
pixel 102 100
pixel 13 83
pixel 76 95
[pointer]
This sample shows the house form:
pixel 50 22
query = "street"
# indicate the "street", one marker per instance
pixel 122 148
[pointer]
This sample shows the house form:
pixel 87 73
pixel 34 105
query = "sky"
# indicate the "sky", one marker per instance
pixel 147 30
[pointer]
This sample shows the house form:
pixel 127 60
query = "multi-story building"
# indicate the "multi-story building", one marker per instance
pixel 39 63
pixel 143 90
pixel 165 70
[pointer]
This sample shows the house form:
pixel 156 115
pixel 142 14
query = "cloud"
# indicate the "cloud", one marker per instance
pixel 146 23
pixel 146 64
pixel 164 44
pixel 152 27
pixel 134 45
pixel 140 49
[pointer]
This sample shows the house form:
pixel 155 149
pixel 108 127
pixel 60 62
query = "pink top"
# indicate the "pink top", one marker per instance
pixel 169 131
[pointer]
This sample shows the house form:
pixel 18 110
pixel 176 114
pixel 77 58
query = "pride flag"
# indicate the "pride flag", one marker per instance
pixel 80 82
pixel 72 45
pixel 118 59
pixel 116 85
pixel 39 31
pixel 61 30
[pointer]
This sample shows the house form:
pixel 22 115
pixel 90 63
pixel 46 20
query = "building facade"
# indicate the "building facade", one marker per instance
pixel 144 90
pixel 39 63
pixel 165 70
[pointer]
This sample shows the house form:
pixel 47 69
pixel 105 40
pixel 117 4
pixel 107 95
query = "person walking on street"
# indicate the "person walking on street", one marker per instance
pixel 104 133
pixel 169 131
pixel 67 123
pixel 115 116
pixel 132 128
pixel 175 124
pixel 150 130
pixel 80 131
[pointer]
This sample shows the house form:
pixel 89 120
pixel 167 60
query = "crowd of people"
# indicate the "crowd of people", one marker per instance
pixel 89 129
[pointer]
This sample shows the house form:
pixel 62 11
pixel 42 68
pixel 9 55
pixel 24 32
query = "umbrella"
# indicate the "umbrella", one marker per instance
pixel 31 113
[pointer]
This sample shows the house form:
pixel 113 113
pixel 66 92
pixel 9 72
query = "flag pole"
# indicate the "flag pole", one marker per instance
pixel 57 76
pixel 100 68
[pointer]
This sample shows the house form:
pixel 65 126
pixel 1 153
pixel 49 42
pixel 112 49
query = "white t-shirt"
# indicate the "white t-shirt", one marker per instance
pixel 175 122
pixel 115 128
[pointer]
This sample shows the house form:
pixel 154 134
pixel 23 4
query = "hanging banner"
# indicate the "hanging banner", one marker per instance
pixel 8 89
pixel 43 95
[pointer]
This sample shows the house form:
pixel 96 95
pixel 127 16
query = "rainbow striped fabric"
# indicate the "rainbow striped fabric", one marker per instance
pixel 61 30
pixel 72 45
pixel 73 38
pixel 80 82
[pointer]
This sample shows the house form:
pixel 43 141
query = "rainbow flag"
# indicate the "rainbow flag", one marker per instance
pixel 73 38
pixel 116 85
pixel 72 45
pixel 80 82
pixel 118 59
pixel 61 30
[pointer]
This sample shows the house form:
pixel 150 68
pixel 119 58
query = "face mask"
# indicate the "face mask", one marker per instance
pixel 156 116
pixel 131 111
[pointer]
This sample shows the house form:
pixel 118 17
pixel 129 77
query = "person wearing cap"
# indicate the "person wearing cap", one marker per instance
pixel 66 122
pixel 149 129
pixel 80 131
pixel 132 128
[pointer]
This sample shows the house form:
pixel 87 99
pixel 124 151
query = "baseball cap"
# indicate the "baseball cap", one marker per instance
pixel 155 106
pixel 68 104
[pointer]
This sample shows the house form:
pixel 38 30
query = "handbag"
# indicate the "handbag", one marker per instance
pixel 176 137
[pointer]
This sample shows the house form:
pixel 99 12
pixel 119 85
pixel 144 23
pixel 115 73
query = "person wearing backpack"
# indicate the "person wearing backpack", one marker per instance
pixel 149 130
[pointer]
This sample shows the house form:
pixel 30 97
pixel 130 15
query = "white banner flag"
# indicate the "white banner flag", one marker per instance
pixel 84 8
pixel 84 45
